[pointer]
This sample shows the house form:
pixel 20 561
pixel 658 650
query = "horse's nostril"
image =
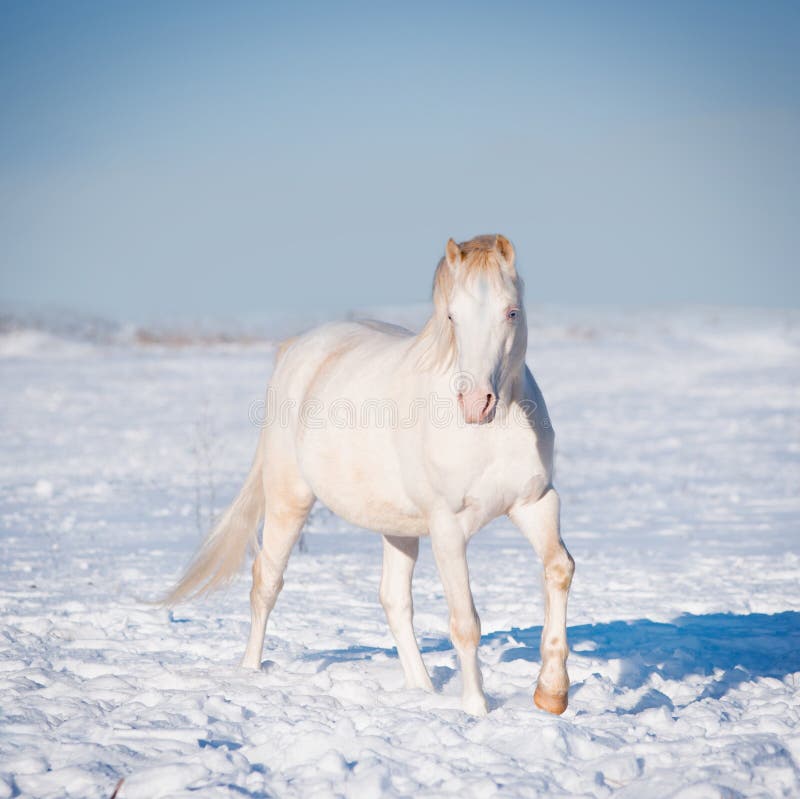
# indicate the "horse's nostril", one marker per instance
pixel 488 405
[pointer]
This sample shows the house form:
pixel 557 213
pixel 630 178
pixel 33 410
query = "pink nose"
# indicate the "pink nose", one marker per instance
pixel 478 405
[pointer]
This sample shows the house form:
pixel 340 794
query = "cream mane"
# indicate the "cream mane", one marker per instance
pixel 489 256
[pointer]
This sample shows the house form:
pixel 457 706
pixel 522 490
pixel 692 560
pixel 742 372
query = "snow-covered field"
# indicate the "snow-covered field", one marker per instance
pixel 678 439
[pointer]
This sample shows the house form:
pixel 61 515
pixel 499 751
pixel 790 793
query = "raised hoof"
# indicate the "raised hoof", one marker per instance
pixel 552 703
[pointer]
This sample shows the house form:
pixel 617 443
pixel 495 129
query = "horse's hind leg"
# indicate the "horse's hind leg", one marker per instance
pixel 286 510
pixel 399 557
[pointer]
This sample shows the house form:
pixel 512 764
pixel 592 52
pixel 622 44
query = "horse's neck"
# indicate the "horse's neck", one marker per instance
pixel 513 389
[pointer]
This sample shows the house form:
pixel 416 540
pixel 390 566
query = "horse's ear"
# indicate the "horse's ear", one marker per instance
pixel 452 253
pixel 506 250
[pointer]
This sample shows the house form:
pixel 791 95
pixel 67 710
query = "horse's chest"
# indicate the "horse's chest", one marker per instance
pixel 487 468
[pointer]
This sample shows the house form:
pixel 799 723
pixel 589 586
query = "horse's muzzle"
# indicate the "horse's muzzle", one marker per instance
pixel 478 406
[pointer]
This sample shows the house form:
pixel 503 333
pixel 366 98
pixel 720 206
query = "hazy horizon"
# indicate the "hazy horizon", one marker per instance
pixel 193 159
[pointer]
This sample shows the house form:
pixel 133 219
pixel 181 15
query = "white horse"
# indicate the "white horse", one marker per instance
pixel 467 439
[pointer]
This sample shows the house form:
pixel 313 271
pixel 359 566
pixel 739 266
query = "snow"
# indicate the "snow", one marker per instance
pixel 678 437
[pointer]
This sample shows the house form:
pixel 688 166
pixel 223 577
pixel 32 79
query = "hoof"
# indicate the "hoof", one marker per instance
pixel 552 703
pixel 420 685
pixel 475 706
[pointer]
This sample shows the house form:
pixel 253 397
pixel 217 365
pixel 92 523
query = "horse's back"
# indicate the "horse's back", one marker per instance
pixel 304 359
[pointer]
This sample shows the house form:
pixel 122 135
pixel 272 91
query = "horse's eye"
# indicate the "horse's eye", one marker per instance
pixel 512 314
pixel 450 317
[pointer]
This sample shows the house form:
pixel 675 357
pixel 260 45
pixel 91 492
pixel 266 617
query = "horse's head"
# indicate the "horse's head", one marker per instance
pixel 480 318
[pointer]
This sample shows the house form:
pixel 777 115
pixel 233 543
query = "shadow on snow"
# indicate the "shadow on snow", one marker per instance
pixel 743 647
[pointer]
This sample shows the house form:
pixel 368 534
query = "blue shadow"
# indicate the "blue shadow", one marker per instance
pixel 743 647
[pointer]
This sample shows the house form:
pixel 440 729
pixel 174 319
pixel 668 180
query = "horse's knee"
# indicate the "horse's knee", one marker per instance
pixel 395 605
pixel 465 631
pixel 559 570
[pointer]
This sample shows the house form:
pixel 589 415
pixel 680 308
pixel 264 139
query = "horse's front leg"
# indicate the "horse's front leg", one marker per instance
pixel 449 544
pixel 399 557
pixel 539 521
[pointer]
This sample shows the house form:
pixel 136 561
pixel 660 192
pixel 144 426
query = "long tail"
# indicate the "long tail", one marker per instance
pixel 221 555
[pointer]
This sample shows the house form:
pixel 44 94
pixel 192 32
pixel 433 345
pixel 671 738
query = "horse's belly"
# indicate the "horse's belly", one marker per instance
pixel 359 485
pixel 374 512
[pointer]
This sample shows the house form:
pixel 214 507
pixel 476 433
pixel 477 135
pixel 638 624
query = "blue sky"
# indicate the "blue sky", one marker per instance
pixel 224 158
